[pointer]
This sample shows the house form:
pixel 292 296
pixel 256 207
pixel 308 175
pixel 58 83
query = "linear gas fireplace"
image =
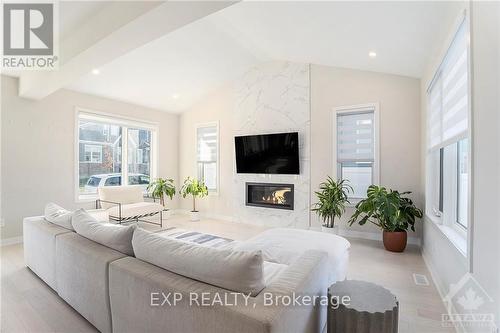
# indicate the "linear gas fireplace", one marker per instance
pixel 269 195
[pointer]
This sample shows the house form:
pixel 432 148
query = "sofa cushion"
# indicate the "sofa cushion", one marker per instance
pixel 121 194
pixel 39 243
pixel 272 271
pixel 117 237
pixel 58 215
pixel 82 268
pixel 135 210
pixel 232 270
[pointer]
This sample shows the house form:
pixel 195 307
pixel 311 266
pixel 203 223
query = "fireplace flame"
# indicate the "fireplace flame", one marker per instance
pixel 278 197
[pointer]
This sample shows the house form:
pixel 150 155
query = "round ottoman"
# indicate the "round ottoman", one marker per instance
pixel 361 307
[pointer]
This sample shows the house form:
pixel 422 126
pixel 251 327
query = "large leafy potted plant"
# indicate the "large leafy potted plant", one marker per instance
pixel 389 210
pixel 197 189
pixel 332 201
pixel 161 188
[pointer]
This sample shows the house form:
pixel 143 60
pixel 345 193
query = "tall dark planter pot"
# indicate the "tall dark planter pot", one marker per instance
pixel 395 241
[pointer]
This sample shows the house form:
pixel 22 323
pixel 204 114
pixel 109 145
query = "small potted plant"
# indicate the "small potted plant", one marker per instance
pixel 195 188
pixel 332 200
pixel 160 187
pixel 391 211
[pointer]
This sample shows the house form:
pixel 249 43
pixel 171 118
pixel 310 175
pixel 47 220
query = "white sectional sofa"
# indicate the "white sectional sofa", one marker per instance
pixel 113 290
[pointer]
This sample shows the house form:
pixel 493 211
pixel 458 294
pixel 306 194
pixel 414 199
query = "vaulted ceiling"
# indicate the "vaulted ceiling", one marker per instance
pixel 172 71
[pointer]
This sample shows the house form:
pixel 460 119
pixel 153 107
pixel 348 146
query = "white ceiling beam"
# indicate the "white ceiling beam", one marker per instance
pixel 154 21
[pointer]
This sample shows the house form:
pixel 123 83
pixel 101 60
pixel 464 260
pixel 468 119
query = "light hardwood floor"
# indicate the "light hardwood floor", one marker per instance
pixel 29 305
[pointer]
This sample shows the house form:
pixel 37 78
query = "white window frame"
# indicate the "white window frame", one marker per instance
pixel 359 108
pixel 92 148
pixel 138 156
pixel 125 123
pixel 459 237
pixel 217 162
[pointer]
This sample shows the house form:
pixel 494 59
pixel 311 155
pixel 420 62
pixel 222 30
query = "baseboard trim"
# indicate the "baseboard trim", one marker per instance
pixel 11 241
pixel 439 286
pixel 206 215
pixel 373 236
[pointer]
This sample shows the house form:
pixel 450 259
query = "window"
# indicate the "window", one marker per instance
pixel 356 147
pixel 447 183
pixel 207 154
pixel 93 154
pixel 111 150
pixel 462 182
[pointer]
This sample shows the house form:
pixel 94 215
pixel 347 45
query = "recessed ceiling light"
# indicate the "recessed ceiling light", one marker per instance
pixel 175 96
pixel 372 54
pixel 95 71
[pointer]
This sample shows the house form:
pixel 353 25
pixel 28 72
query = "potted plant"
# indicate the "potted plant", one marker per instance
pixel 332 200
pixel 389 210
pixel 195 188
pixel 160 187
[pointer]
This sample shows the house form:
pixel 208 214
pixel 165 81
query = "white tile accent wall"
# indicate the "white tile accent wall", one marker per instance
pixel 271 98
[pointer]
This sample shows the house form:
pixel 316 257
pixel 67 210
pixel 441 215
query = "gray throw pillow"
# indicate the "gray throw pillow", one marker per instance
pixel 233 270
pixel 117 237
pixel 58 215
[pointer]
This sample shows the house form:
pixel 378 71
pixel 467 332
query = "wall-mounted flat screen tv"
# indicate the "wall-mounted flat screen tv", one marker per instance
pixel 268 153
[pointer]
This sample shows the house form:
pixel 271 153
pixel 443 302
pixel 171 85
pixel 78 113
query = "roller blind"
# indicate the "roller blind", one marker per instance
pixel 207 144
pixel 355 137
pixel 448 97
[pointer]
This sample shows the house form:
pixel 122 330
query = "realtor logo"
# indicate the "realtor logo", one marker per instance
pixel 28 36
pixel 28 29
pixel 465 301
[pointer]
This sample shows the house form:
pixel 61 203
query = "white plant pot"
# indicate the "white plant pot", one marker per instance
pixel 194 216
pixel 334 230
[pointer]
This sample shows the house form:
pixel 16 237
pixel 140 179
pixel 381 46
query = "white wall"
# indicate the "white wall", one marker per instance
pixel 38 149
pixel 399 99
pixel 271 97
pixel 486 145
pixel 446 263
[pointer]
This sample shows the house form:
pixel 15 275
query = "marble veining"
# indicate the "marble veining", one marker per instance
pixel 271 98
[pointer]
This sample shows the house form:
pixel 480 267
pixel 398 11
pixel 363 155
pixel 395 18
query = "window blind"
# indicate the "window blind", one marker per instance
pixel 207 144
pixel 355 137
pixel 448 95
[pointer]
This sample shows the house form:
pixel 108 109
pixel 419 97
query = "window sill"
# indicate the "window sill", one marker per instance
pixel 456 238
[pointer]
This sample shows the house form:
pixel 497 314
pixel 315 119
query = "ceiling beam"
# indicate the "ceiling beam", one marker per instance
pixel 154 20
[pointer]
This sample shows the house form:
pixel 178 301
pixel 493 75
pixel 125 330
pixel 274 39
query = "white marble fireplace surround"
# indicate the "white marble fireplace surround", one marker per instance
pixel 272 98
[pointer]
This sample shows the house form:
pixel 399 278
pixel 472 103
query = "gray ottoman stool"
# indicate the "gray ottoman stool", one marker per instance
pixel 361 307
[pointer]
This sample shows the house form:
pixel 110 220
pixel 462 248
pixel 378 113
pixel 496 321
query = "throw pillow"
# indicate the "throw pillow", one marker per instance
pixel 115 236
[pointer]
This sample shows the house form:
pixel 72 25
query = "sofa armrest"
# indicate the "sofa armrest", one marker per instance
pixel 133 310
pixel 305 279
pixel 99 201
pixel 150 197
pixel 99 206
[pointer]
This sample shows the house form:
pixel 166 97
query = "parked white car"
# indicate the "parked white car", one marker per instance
pixel 115 179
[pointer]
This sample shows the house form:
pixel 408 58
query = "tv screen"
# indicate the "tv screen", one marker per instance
pixel 268 153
